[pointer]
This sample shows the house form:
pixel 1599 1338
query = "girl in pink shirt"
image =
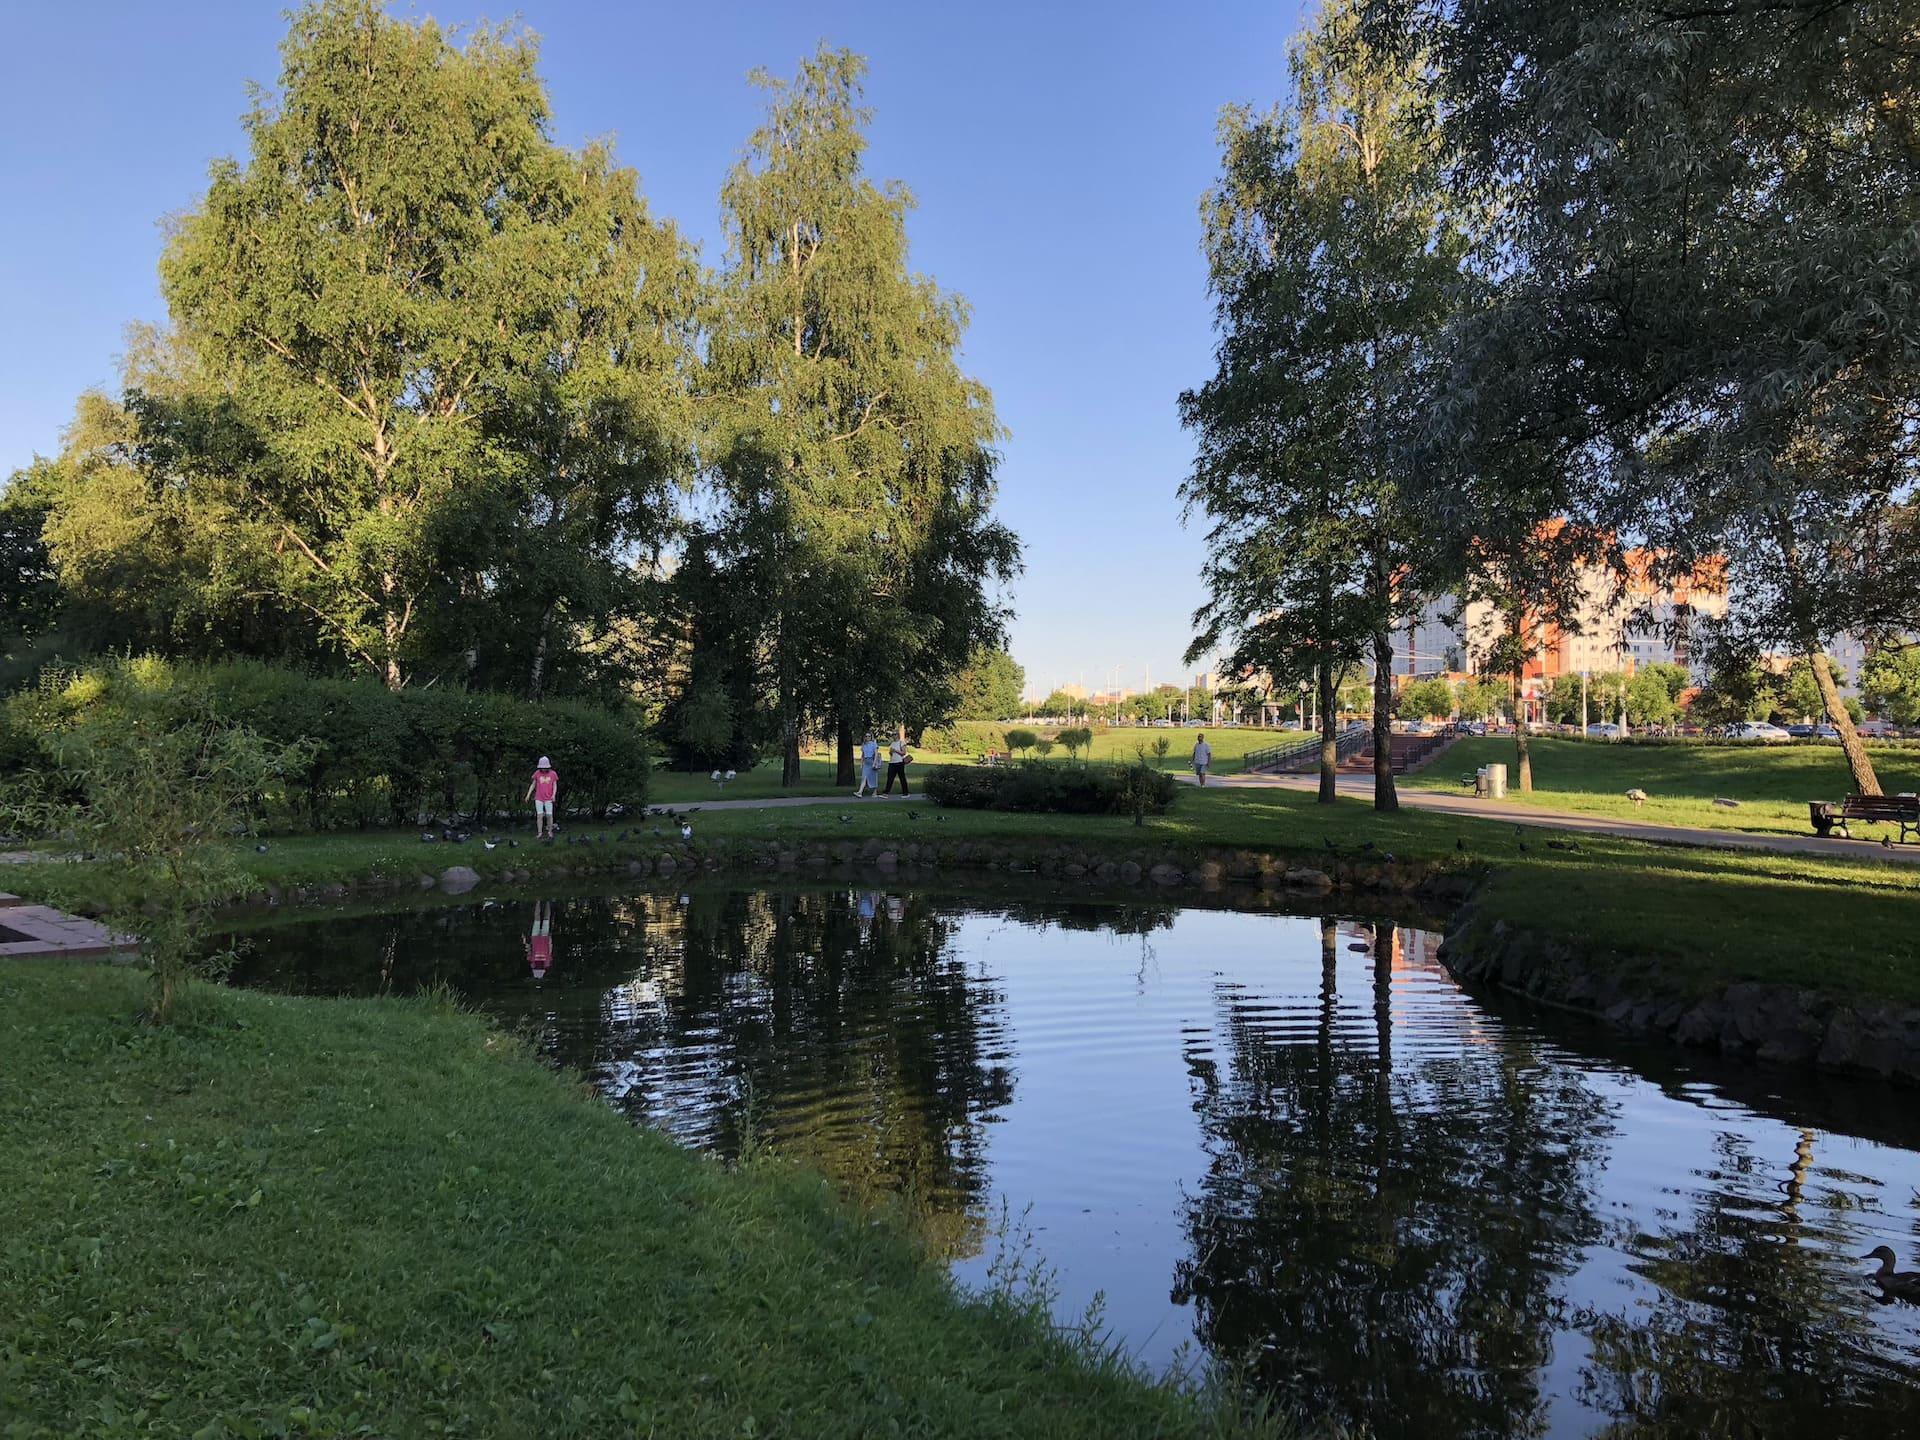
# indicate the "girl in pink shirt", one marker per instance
pixel 542 791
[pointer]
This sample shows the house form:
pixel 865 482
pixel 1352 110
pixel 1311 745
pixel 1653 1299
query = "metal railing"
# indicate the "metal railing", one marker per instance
pixel 1305 754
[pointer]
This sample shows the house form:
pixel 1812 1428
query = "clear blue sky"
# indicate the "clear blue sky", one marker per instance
pixel 1058 153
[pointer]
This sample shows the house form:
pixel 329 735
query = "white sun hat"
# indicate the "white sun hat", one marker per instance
pixel 545 763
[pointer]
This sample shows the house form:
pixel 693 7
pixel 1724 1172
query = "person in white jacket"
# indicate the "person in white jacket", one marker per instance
pixel 1202 758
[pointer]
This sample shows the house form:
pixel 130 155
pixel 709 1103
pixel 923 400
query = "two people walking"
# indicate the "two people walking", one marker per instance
pixel 897 761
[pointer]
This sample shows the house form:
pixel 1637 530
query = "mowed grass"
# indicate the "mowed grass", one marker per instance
pixel 1230 749
pixel 381 1217
pixel 1711 916
pixel 1772 783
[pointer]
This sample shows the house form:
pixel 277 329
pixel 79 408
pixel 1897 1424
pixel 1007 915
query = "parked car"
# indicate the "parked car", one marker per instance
pixel 1813 732
pixel 1758 730
pixel 1472 727
pixel 1606 730
pixel 1878 729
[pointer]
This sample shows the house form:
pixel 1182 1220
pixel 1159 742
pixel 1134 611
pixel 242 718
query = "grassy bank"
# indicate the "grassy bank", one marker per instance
pixel 1839 924
pixel 1772 783
pixel 381 1217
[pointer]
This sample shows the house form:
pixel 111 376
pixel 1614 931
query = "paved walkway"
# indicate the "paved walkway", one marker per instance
pixel 40 930
pixel 1521 814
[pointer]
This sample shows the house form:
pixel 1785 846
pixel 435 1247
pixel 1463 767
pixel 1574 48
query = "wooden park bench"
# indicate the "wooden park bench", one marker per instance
pixel 1901 810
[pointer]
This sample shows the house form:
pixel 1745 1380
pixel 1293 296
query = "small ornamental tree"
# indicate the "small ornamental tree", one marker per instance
pixel 1019 739
pixel 1076 739
pixel 161 791
pixel 1043 747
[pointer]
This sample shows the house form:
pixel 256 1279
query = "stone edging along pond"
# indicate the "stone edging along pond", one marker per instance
pixel 1786 1024
pixel 1777 1023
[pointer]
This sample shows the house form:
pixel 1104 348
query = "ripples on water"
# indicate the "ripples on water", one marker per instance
pixel 1291 1142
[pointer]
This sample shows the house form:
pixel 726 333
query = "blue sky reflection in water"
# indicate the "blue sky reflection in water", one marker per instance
pixel 1283 1139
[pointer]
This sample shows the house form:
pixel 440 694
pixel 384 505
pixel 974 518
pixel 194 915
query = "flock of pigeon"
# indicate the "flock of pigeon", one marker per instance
pixel 449 835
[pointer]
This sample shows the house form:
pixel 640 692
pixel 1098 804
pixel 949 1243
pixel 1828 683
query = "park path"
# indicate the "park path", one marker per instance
pixel 1520 814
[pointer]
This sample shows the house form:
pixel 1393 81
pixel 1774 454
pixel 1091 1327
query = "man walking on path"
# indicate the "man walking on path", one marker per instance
pixel 1202 758
pixel 897 765
pixel 543 790
pixel 869 768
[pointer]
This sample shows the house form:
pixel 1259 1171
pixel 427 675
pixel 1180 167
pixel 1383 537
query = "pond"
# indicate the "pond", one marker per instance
pixel 1286 1142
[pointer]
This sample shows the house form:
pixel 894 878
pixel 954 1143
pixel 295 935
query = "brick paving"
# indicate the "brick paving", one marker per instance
pixel 40 930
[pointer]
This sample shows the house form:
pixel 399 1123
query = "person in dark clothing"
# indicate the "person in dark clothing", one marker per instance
pixel 897 760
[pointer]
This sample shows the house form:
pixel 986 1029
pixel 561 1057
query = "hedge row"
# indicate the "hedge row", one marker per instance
pixel 1040 786
pixel 378 755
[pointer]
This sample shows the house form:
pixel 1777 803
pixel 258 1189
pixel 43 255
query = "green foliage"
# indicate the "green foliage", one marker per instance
pixel 1043 747
pixel 30 599
pixel 365 753
pixel 412 363
pixel 1427 700
pixel 989 687
pixel 1019 738
pixel 704 727
pixel 1890 683
pixel 1075 739
pixel 1482 698
pixel 1053 789
pixel 1650 698
pixel 154 785
pixel 1702 321
pixel 964 737
pixel 1335 255
pixel 853 457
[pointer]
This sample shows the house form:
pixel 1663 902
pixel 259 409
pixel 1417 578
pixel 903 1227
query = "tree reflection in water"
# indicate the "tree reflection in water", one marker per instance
pixel 1407 1213
pixel 839 1028
pixel 1383 1242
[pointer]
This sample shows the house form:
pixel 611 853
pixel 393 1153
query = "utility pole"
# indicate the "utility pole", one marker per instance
pixel 1583 704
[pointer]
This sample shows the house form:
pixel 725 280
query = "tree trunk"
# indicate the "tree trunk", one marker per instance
pixel 537 677
pixel 1384 795
pixel 842 751
pixel 1329 738
pixel 789 752
pixel 1865 782
pixel 1523 757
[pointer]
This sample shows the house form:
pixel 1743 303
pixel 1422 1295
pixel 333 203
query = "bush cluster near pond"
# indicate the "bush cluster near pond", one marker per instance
pixel 1052 789
pixel 376 755
pixel 381 1217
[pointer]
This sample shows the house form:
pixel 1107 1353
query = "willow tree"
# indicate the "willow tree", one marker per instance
pixel 434 337
pixel 1708 230
pixel 1334 256
pixel 853 460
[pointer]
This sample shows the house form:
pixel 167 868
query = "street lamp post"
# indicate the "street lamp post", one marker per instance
pixel 1303 704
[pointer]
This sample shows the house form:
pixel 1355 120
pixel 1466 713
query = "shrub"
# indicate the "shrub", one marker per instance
pixel 158 784
pixel 368 753
pixel 1076 739
pixel 964 737
pixel 1019 739
pixel 1053 789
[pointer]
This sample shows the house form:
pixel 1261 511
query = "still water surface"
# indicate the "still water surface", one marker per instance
pixel 1289 1141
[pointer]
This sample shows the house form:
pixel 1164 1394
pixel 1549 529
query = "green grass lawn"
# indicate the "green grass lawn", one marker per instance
pixel 1717 915
pixel 381 1217
pixel 1230 749
pixel 1773 783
